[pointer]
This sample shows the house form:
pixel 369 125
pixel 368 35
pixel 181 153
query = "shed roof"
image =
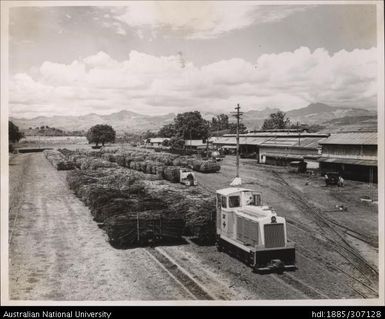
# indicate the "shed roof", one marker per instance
pixel 356 138
pixel 303 142
pixel 158 139
pixel 350 161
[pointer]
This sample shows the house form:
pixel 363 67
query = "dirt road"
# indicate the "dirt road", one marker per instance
pixel 57 252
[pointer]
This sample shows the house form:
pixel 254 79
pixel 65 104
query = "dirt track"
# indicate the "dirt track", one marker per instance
pixel 57 252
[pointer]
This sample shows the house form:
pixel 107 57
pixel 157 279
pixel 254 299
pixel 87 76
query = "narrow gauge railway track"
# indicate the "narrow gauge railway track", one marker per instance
pixel 180 275
pixel 353 233
pixel 349 231
pixel 327 242
pixel 301 286
pixel 199 292
pixel 341 246
pixel 310 256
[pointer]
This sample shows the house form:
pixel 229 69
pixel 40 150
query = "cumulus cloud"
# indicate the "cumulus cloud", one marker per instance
pixel 198 20
pixel 159 84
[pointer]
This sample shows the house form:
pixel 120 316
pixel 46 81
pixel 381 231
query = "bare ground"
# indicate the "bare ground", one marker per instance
pixel 57 252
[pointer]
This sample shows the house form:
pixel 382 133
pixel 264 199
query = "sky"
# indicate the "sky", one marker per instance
pixel 161 57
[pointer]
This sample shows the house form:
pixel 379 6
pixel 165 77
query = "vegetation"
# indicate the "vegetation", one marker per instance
pixel 220 123
pixel 167 130
pixel 101 133
pixel 188 125
pixel 276 120
pixel 191 125
pixel 14 135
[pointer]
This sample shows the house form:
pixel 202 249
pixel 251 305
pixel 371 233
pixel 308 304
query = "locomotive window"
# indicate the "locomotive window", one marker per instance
pixel 234 201
pixel 252 199
pixel 224 204
pixel 257 200
pixel 219 201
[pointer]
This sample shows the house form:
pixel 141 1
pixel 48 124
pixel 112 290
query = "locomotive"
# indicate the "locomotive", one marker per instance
pixel 251 231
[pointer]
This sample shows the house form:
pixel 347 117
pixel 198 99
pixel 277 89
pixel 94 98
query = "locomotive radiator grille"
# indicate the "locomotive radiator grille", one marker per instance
pixel 274 235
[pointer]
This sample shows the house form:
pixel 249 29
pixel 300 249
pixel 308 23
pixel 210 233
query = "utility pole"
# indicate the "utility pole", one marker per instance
pixel 299 134
pixel 237 115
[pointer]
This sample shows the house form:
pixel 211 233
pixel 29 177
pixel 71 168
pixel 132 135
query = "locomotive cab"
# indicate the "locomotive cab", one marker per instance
pixel 252 231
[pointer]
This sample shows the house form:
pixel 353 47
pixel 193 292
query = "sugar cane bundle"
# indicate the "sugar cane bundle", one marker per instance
pixel 66 152
pixel 76 179
pixel 94 163
pixel 210 167
pixel 120 159
pixel 172 173
pixel 132 229
pixel 159 171
pixel 147 167
pixel 58 160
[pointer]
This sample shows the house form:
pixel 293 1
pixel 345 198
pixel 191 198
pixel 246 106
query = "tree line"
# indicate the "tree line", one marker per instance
pixel 185 126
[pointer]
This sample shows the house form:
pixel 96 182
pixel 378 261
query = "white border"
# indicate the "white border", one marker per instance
pixel 5 5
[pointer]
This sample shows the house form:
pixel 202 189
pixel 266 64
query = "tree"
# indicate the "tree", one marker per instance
pixel 167 130
pixel 276 120
pixel 101 133
pixel 149 134
pixel 191 125
pixel 220 122
pixel 166 143
pixel 176 143
pixel 233 128
pixel 14 135
pixel 313 128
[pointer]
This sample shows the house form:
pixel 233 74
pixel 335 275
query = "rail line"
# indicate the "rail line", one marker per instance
pixel 180 275
pixel 341 246
pixel 353 233
pixel 197 291
pixel 363 266
pixel 298 284
pixel 329 265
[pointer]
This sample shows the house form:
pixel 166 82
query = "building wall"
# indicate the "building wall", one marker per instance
pixel 352 172
pixel 350 151
pixel 263 150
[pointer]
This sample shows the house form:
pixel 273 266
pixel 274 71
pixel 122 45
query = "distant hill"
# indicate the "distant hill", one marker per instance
pixel 123 121
pixel 319 112
pixel 352 123
pixel 315 113
pixel 126 121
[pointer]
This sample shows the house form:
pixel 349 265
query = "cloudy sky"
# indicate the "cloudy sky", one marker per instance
pixel 162 57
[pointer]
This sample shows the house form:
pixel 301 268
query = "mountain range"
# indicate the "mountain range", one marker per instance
pixel 127 121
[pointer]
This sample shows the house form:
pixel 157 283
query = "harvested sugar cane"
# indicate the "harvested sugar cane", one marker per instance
pixel 58 160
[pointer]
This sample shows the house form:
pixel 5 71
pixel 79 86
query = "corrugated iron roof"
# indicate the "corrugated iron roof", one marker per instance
pixel 356 138
pixel 242 140
pixel 304 142
pixel 158 139
pixel 348 161
pixel 253 140
pixel 283 155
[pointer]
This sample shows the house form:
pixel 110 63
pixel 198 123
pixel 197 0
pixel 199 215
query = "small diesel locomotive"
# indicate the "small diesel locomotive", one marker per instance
pixel 252 232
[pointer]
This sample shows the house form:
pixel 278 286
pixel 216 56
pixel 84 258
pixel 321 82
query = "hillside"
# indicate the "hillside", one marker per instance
pixel 127 121
pixel 123 121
